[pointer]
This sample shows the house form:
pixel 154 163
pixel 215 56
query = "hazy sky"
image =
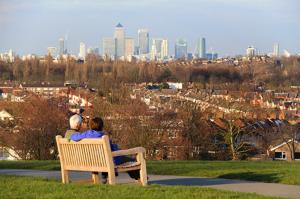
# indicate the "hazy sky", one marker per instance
pixel 229 26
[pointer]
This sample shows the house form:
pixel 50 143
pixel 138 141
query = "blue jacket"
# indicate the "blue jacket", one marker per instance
pixel 96 134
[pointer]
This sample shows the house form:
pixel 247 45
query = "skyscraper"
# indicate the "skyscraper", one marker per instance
pixel 82 50
pixel 164 49
pixel 200 51
pixel 181 49
pixel 129 47
pixel 143 41
pixel 109 47
pixel 119 36
pixel 250 51
pixel 276 50
pixel 61 46
pixel 51 51
pixel 157 47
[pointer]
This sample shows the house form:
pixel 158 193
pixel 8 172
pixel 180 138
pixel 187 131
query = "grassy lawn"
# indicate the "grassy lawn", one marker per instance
pixel 30 187
pixel 265 171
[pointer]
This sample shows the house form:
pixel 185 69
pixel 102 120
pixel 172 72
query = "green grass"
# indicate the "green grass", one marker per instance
pixel 264 171
pixel 30 187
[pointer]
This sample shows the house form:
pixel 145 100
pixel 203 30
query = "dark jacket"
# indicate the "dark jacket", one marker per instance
pixel 69 132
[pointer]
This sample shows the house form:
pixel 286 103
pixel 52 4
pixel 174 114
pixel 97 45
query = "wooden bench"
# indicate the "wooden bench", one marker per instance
pixel 95 155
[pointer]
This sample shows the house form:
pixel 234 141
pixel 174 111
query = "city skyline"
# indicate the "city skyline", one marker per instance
pixel 33 26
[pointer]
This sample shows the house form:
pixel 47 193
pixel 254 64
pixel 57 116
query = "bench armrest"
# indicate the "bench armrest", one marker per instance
pixel 132 151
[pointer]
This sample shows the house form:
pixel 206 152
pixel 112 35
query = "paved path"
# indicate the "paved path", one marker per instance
pixel 269 189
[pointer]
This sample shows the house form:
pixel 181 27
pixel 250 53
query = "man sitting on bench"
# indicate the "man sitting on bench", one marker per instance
pixel 96 131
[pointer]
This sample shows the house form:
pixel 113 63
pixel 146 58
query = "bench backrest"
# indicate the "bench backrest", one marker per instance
pixel 85 155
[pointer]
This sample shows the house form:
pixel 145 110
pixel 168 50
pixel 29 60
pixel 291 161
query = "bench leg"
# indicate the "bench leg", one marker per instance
pixel 143 175
pixel 143 170
pixel 95 177
pixel 111 178
pixel 65 176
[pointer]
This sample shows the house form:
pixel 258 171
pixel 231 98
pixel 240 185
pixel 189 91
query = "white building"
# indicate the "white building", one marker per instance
pixel 175 85
pixel 143 41
pixel 129 48
pixel 51 51
pixel 251 51
pixel 8 56
pixel 82 51
pixel 164 49
pixel 109 47
pixel 276 50
pixel 5 116
pixel 119 36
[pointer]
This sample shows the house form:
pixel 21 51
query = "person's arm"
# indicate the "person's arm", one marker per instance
pixel 78 136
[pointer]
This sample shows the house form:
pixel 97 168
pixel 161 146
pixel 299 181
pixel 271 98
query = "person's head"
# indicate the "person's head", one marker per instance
pixel 96 124
pixel 75 122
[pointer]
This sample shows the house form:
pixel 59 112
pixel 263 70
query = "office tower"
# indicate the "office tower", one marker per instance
pixel 164 49
pixel 51 51
pixel 276 50
pixel 153 53
pixel 129 47
pixel 109 47
pixel 61 46
pixel 119 36
pixel 82 50
pixel 211 56
pixel 156 49
pixel 143 41
pixel 136 50
pixel 181 49
pixel 250 52
pixel 200 51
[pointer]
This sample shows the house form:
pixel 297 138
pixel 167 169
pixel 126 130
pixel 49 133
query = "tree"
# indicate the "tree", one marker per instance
pixel 288 134
pixel 37 122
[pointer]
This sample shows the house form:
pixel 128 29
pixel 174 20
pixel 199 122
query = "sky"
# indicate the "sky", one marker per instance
pixel 229 26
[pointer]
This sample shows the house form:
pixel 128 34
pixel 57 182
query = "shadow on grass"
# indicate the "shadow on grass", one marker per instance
pixel 251 176
pixel 195 181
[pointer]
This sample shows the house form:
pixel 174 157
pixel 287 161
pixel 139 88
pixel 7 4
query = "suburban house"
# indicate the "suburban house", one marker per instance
pixel 8 154
pixel 5 116
pixel 282 151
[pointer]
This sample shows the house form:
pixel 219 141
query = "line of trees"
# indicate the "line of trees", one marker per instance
pixel 96 71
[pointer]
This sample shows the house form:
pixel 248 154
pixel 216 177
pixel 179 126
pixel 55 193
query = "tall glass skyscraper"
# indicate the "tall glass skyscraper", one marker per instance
pixel 181 49
pixel 200 51
pixel 61 46
pixel 119 36
pixel 82 50
pixel 109 47
pixel 159 49
pixel 129 47
pixel 143 41
pixel 276 50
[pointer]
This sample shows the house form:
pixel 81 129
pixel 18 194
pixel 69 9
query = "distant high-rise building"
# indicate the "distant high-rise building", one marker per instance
pixel 129 47
pixel 109 47
pixel 143 41
pixel 136 50
pixel 119 36
pixel 276 50
pixel 159 49
pixel 250 52
pixel 200 51
pixel 211 56
pixel 51 51
pixel 164 49
pixel 181 49
pixel 82 50
pixel 61 50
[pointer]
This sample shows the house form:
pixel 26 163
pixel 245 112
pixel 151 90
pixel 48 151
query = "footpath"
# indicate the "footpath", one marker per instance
pixel 268 189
